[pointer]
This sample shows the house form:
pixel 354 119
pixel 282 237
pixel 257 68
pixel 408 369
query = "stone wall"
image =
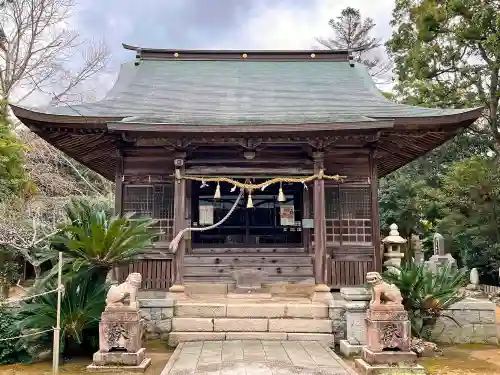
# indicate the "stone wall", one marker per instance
pixel 157 315
pixel 477 323
pixel 337 315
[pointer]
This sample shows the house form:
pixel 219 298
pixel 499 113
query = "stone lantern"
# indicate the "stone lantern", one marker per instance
pixel 392 244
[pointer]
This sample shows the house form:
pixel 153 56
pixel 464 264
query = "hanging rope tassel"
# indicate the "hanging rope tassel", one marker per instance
pixel 250 201
pixel 174 244
pixel 281 195
pixel 217 191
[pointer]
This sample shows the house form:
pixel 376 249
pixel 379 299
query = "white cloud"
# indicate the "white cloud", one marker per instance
pixel 282 27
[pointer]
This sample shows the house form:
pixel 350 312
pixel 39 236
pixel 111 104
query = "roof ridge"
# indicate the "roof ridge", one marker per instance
pixel 240 54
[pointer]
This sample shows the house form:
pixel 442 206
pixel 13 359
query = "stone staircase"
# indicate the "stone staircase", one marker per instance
pixel 299 320
pixel 215 265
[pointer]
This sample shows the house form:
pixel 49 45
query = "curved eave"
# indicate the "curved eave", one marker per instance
pixel 84 121
pixel 446 119
pixel 412 138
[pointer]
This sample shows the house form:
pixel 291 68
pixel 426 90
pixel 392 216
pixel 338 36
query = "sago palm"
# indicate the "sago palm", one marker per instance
pixel 81 306
pixel 427 295
pixel 94 241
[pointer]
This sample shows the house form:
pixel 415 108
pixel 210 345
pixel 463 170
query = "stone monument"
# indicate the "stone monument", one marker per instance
pixel 388 332
pixel 440 258
pixel 356 302
pixel 120 331
pixel 417 249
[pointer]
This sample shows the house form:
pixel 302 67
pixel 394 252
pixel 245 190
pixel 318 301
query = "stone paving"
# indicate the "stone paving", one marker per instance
pixel 255 357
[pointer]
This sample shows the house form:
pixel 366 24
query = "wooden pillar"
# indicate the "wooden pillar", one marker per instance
pixel 118 197
pixel 319 222
pixel 179 221
pixel 306 232
pixel 377 248
pixel 119 182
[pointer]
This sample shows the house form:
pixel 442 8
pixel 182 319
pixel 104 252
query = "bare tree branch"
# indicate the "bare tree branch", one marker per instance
pixel 40 50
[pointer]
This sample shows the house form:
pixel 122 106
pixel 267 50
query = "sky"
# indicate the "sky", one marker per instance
pixel 213 24
pixel 216 24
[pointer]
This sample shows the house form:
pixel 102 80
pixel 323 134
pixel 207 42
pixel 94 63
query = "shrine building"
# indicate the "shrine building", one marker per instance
pixel 194 138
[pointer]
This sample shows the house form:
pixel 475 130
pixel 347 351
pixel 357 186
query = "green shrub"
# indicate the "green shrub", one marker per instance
pixel 11 351
pixel 81 307
pixel 426 295
pixel 94 242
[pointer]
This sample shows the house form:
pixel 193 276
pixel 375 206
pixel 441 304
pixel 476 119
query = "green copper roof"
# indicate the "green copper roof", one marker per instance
pixel 245 92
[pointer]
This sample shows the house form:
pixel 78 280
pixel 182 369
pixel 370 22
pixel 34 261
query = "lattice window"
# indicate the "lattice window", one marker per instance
pixel 348 214
pixel 155 201
pixel 355 207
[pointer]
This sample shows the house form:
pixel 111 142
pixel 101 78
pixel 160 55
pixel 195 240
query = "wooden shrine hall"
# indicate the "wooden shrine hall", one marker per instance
pixel 182 131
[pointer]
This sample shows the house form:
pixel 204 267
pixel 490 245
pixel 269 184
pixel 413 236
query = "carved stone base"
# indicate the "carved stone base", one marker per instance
pixel 365 368
pixel 387 327
pixel 348 349
pixel 119 358
pixel 141 368
pixel 120 330
pixel 387 357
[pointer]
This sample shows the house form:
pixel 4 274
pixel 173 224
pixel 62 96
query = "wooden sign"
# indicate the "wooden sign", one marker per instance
pixel 206 215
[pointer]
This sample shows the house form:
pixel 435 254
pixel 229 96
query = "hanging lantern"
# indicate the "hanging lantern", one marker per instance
pixel 250 201
pixel 217 191
pixel 281 195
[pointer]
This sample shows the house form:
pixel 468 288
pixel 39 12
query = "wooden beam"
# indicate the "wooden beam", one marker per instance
pixel 250 171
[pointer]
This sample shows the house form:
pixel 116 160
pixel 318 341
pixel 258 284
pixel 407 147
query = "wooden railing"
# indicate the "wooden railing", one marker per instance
pixel 348 265
pixel 156 273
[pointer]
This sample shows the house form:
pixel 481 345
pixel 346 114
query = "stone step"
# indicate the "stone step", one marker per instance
pixel 241 250
pixel 244 260
pixel 295 325
pixel 227 279
pixel 250 310
pixel 227 270
pixel 175 338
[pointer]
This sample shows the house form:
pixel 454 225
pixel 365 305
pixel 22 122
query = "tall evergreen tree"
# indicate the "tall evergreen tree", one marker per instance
pixel 447 53
pixel 12 174
pixel 353 32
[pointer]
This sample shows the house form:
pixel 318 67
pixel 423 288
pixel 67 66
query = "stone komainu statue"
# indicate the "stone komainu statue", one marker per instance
pixel 117 294
pixel 383 292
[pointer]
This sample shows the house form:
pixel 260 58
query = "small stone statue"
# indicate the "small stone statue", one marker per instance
pixel 382 292
pixel 120 331
pixel 388 332
pixel 117 294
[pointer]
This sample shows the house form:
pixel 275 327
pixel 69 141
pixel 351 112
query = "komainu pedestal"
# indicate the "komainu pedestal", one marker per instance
pixel 388 333
pixel 120 332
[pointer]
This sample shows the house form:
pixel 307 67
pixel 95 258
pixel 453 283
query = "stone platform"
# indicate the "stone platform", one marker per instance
pixel 216 318
pixel 255 358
